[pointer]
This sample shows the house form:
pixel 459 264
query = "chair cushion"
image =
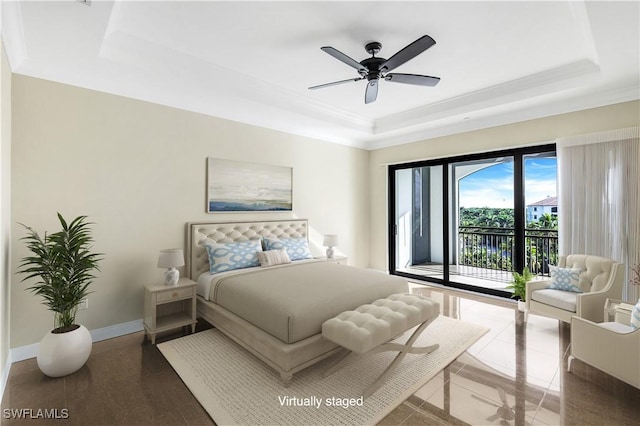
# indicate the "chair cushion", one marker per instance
pixel 616 326
pixel 566 279
pixel 565 300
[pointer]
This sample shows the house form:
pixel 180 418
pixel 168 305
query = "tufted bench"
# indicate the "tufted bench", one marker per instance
pixel 369 328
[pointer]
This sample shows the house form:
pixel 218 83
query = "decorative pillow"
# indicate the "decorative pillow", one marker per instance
pixel 273 257
pixel 635 316
pixel 297 248
pixel 566 279
pixel 236 255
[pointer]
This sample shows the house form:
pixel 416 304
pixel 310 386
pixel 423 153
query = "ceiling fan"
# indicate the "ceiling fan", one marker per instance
pixel 374 69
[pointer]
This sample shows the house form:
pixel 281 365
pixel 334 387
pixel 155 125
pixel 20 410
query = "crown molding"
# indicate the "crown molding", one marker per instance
pixel 557 79
pixel 512 113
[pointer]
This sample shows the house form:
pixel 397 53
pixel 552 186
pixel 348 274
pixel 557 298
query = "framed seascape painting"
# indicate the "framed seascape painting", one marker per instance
pixel 237 186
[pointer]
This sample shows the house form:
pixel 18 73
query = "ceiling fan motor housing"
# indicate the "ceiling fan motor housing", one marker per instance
pixel 373 67
pixel 372 64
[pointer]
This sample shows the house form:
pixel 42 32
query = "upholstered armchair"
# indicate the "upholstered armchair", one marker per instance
pixel 610 347
pixel 597 278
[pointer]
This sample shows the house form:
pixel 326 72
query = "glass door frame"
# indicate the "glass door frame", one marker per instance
pixel 518 155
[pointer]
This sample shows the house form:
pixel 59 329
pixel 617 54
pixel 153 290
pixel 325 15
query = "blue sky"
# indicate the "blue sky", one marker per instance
pixel 493 186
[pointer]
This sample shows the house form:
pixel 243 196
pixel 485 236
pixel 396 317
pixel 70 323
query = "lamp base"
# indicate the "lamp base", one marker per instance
pixel 330 252
pixel 171 277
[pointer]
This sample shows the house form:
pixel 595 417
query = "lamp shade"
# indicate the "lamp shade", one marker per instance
pixel 170 258
pixel 330 240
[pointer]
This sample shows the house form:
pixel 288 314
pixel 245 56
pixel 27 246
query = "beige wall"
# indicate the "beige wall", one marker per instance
pixel 533 132
pixel 5 207
pixel 138 171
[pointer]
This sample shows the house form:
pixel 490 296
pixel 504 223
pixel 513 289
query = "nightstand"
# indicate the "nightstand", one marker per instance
pixel 169 307
pixel 341 260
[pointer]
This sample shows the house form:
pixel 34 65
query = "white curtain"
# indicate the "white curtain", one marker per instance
pixel 598 197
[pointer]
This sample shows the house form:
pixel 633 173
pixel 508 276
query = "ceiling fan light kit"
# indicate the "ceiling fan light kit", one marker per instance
pixel 374 69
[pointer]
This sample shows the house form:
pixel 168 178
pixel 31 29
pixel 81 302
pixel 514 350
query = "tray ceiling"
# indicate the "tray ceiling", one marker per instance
pixel 499 62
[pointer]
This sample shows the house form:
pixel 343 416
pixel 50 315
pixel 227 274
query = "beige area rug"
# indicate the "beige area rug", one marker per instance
pixel 237 388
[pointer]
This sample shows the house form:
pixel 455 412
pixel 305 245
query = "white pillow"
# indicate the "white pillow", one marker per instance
pixel 566 279
pixel 273 257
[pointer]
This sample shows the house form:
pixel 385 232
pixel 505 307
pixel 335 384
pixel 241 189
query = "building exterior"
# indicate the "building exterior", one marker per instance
pixel 537 209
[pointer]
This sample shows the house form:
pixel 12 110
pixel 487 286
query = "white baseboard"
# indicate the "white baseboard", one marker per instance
pixel 117 330
pixel 23 352
pixel 31 351
pixel 5 375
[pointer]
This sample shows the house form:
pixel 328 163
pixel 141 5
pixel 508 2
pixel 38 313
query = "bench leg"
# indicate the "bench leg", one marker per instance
pixel 403 349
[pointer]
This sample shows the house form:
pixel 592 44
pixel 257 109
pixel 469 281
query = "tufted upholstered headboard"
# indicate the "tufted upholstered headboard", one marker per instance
pixel 197 260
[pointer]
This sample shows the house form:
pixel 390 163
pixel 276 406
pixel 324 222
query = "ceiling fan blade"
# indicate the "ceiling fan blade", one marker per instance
pixel 371 93
pixel 418 80
pixel 408 53
pixel 344 58
pixel 320 86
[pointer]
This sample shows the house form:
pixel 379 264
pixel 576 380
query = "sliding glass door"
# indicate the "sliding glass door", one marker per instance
pixel 470 221
pixel 482 221
pixel 418 223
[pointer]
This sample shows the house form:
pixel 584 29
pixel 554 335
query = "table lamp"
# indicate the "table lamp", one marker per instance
pixel 330 241
pixel 171 259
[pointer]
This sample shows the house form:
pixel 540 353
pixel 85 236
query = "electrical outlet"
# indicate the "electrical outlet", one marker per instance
pixel 84 303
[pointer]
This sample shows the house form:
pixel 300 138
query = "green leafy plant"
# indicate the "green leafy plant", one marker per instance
pixel 519 283
pixel 64 265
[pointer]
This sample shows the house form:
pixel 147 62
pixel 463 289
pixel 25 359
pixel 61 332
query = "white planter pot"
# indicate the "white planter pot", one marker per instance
pixel 61 354
pixel 522 305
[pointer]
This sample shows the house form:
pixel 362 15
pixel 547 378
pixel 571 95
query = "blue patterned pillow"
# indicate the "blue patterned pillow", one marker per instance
pixel 566 279
pixel 229 256
pixel 297 248
pixel 635 316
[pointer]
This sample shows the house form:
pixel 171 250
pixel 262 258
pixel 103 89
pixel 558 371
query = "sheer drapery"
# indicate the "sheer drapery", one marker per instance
pixel 598 197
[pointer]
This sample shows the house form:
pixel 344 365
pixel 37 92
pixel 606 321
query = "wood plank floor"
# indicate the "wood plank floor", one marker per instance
pixel 128 382
pixel 125 382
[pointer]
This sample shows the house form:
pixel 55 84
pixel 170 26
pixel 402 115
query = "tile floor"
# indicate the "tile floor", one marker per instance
pixel 516 374
pixel 126 382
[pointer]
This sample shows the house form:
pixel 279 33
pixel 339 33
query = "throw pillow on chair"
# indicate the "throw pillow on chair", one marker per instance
pixel 565 279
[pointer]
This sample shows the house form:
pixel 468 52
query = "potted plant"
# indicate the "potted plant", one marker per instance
pixel 64 266
pixel 519 286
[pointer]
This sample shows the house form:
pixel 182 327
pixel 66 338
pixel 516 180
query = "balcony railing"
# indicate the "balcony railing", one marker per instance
pixel 493 248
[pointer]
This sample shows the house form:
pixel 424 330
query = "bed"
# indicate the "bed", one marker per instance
pixel 276 312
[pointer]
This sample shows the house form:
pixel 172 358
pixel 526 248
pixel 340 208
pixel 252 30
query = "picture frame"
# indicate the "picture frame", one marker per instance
pixel 238 186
